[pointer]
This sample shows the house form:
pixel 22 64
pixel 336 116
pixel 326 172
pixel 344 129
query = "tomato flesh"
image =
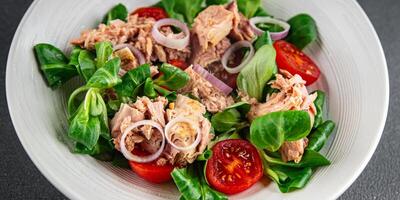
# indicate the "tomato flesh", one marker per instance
pixel 293 60
pixel 181 64
pixel 151 171
pixel 154 12
pixel 234 166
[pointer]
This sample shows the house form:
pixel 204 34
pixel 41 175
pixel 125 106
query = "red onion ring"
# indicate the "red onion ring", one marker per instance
pixel 274 35
pixel 142 159
pixel 136 52
pixel 169 42
pixel 231 50
pixel 212 79
pixel 184 120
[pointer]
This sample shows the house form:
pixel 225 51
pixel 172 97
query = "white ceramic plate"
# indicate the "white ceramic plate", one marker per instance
pixel 348 52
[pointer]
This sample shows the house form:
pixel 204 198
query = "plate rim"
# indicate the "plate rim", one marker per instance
pixel 58 183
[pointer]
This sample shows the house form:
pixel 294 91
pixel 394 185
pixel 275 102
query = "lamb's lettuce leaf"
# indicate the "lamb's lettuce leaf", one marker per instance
pixel 182 10
pixel 303 30
pixel 287 178
pixel 103 53
pixel 271 130
pixel 132 80
pixel 54 65
pixel 117 12
pixel 310 158
pixel 255 75
pixel 319 136
pixel 216 2
pixel 319 105
pixel 232 116
pixel 192 184
pixel 107 76
pixel 172 77
pixel 86 64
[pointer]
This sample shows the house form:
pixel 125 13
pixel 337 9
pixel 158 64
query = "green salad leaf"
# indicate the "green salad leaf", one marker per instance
pixel 216 2
pixel 103 150
pixel 120 161
pixel 205 155
pixel 149 90
pixel 319 136
pixel 310 158
pixel 303 30
pixel 255 75
pixel 230 134
pixel 270 27
pixel 170 95
pixel 107 76
pixel 169 7
pixel 189 9
pixel 182 10
pixel 242 107
pixel 54 65
pixel 271 130
pixel 225 120
pixel 289 179
pixel 249 7
pixel 172 77
pixel 261 12
pixel 262 40
pixel 85 125
pixel 86 64
pixel 232 116
pixel 319 105
pixel 73 58
pixel 103 53
pixel 192 184
pixel 117 12
pixel 132 80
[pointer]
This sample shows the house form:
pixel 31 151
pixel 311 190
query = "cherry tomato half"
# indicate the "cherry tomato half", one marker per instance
pixel 235 166
pixel 154 12
pixel 293 60
pixel 181 64
pixel 151 171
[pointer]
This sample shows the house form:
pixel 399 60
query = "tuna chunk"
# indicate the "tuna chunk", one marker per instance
pixel 128 60
pixel 210 55
pixel 211 97
pixel 127 113
pixel 212 25
pixel 294 150
pixel 241 29
pixel 147 137
pixel 292 95
pixel 136 31
pixel 182 134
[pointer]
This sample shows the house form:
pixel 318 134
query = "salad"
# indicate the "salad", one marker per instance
pixel 211 95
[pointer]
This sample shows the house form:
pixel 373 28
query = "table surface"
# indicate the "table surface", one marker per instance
pixel 20 179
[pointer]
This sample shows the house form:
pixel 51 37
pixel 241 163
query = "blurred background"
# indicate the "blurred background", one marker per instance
pixel 20 179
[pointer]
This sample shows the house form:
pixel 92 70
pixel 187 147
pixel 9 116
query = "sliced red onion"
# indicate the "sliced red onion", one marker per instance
pixel 183 120
pixel 171 42
pixel 231 50
pixel 136 52
pixel 274 35
pixel 142 159
pixel 212 79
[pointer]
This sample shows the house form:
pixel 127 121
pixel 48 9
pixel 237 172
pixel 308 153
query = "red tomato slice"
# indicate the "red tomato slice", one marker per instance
pixel 151 171
pixel 154 12
pixel 181 64
pixel 235 166
pixel 293 60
